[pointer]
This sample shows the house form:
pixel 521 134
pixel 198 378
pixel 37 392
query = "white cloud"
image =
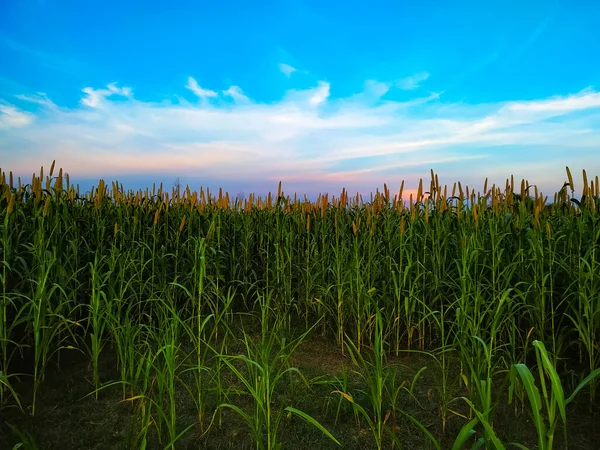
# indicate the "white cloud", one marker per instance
pixel 558 105
pixel 11 117
pixel 320 94
pixel 124 91
pixel 360 141
pixel 411 83
pixel 287 70
pixel 237 94
pixel 40 98
pixel 376 88
pixel 192 85
pixel 95 98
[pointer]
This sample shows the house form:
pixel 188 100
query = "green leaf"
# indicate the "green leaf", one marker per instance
pixel 423 429
pixel 581 385
pixel 313 422
pixel 535 400
pixel 557 389
pixel 466 432
pixel 176 438
pixel 490 434
pixel 5 382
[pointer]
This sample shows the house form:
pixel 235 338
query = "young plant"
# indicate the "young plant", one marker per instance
pixel 266 366
pixel 552 397
pixel 5 384
pixel 376 375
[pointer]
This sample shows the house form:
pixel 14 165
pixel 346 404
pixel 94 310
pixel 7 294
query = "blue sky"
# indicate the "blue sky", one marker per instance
pixel 320 95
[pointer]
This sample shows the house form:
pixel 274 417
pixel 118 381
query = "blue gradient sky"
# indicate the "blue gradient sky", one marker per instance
pixel 320 95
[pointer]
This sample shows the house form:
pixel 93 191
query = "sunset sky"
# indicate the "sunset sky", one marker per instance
pixel 319 94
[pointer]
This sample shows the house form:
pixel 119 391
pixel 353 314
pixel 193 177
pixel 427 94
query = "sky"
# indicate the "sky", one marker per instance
pixel 321 95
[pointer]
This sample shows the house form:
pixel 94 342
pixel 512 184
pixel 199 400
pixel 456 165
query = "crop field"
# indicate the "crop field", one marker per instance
pixel 175 319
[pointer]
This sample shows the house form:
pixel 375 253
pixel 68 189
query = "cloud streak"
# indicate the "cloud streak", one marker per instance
pixel 309 139
pixel 236 93
pixel 413 82
pixel 287 70
pixel 193 86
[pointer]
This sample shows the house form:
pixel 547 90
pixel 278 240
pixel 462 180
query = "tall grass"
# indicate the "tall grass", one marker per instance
pixel 160 279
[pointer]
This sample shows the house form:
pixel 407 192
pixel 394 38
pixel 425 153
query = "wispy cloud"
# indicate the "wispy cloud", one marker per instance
pixel 319 94
pixel 236 93
pixel 558 105
pixel 308 138
pixel 12 117
pixel 287 70
pixel 193 86
pixel 39 98
pixel 376 88
pixel 96 97
pixel 413 82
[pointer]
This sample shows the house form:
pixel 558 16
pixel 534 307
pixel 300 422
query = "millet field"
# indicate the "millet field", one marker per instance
pixel 459 318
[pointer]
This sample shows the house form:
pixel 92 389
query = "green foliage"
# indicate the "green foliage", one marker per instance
pixel 163 279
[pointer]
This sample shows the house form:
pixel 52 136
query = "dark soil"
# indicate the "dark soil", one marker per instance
pixel 68 418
